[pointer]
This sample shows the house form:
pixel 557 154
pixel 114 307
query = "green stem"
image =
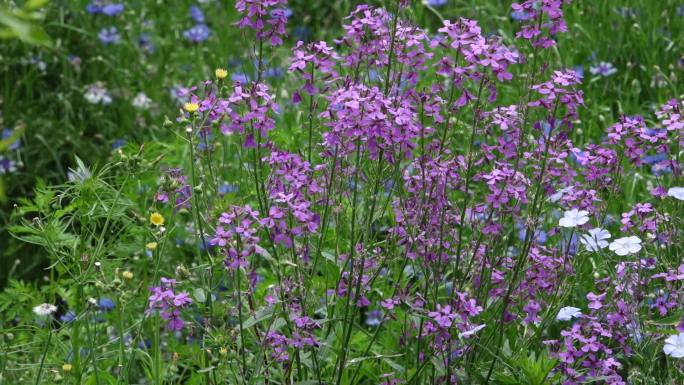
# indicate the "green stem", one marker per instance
pixel 42 358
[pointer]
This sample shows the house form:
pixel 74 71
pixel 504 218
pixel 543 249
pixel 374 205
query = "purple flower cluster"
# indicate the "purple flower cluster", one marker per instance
pixel 169 304
pixel 442 217
pixel 236 235
pixel 266 17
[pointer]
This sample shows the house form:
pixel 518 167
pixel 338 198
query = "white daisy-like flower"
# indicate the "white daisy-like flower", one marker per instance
pixel 626 245
pixel 141 101
pixel 574 218
pixel 596 239
pixel 567 313
pixel 676 193
pixel 674 346
pixel 44 309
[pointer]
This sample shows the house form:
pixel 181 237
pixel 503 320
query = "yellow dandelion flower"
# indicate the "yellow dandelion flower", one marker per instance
pixel 127 275
pixel 157 219
pixel 191 107
pixel 67 368
pixel 152 246
pixel 221 73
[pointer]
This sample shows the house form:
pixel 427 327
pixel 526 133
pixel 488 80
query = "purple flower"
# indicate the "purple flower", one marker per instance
pixel 7 166
pixel 596 301
pixel 109 35
pixel 197 33
pixel 265 17
pixel 169 304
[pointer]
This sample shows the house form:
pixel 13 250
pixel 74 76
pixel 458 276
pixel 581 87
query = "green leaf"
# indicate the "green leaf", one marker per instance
pixel 261 315
pixel 24 30
pixel 199 295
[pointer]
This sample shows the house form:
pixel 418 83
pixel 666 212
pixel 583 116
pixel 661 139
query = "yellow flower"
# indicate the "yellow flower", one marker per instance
pixel 221 73
pixel 67 368
pixel 223 351
pixel 191 107
pixel 127 274
pixel 152 246
pixel 157 219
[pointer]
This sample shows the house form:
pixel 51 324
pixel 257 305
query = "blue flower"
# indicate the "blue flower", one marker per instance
pixel 603 69
pixel 109 35
pixel 540 236
pixel 579 70
pixel 198 33
pixel 227 188
pixel 521 15
pixel 626 12
pixel 239 77
pixel 98 6
pixel 205 140
pixel 301 33
pixel 106 304
pixel 274 72
pixel 95 7
pixel 373 318
pixel 68 317
pixel 652 159
pixel 145 43
pixel 112 9
pixel 436 3
pixel 197 14
pixel 118 144
pixel 6 134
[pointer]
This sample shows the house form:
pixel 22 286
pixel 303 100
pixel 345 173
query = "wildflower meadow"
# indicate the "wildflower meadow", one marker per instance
pixel 333 192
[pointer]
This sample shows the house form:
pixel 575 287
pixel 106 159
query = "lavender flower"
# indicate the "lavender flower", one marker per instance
pixel 197 14
pixel 101 7
pixel 436 3
pixel 109 36
pixel 603 68
pixel 197 33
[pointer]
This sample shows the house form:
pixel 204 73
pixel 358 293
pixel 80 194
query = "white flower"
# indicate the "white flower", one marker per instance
pixel 472 331
pixel 676 193
pixel 141 101
pixel 97 94
pixel 45 309
pixel 596 239
pixel 573 218
pixel 674 346
pixel 626 245
pixel 567 313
